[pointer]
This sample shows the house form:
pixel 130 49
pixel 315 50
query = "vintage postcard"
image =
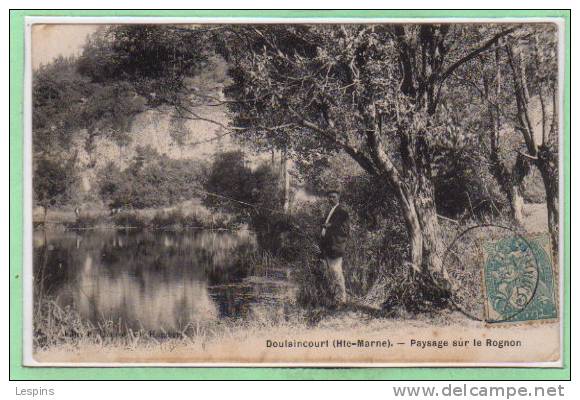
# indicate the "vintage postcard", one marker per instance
pixel 308 192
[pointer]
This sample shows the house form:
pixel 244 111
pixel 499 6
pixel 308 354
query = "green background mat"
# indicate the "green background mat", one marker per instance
pixel 18 372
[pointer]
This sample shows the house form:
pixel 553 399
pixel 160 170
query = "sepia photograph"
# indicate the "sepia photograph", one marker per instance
pixel 299 193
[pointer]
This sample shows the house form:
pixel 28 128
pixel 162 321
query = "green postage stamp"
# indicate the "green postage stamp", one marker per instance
pixel 519 280
pixel 316 189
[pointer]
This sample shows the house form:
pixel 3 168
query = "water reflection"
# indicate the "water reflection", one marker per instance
pixel 157 281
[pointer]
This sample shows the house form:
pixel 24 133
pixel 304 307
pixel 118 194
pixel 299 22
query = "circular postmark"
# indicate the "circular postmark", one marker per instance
pixel 492 273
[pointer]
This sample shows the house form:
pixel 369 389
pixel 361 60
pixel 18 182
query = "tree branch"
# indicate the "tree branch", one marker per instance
pixel 474 53
pixel 196 117
pixel 482 94
pixel 554 115
pixel 358 156
pixel 526 155
pixel 524 124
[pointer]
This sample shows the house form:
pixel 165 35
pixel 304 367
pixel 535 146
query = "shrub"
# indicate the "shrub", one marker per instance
pixel 233 186
pixel 151 180
pixel 128 219
pixel 173 218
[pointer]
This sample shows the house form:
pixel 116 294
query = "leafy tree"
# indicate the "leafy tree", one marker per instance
pixel 507 165
pixel 231 185
pixel 54 179
pixel 57 92
pixel 114 188
pixel 373 92
pixel 66 103
pixel 109 112
pixel 155 60
pixel 534 75
pixel 229 177
pixel 517 84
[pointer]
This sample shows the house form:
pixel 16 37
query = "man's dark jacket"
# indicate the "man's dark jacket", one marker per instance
pixel 333 243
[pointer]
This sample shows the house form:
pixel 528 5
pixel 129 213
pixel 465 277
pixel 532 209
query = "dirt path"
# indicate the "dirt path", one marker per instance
pixel 344 339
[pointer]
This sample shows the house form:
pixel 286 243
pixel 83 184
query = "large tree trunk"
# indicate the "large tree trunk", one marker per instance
pixel 285 181
pixel 516 204
pixel 547 165
pixel 427 286
pixel 432 243
pixel 509 180
pixel 545 155
pixel 413 226
pixel 418 207
pixel 419 213
pixel 510 185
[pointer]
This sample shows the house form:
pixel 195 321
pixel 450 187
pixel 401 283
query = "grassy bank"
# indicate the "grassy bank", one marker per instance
pixel 62 327
pixel 185 215
pixel 62 330
pixel 208 341
pixel 250 343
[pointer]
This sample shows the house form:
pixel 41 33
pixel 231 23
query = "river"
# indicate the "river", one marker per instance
pixel 158 281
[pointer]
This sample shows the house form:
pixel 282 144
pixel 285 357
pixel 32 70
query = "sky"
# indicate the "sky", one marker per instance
pixel 51 40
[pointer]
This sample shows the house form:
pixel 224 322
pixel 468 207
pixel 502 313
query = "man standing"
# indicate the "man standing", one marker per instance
pixel 335 232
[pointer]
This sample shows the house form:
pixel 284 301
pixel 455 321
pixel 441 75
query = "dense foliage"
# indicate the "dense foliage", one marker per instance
pixel 151 180
pixel 232 185
pixel 415 108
